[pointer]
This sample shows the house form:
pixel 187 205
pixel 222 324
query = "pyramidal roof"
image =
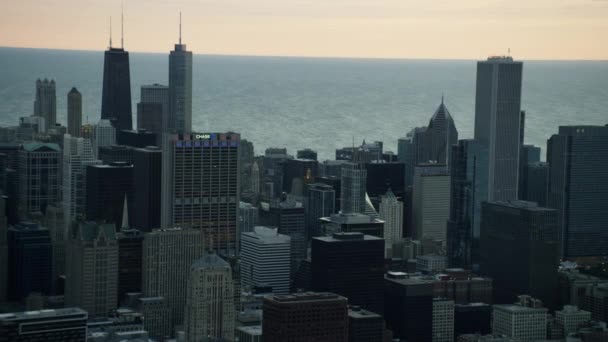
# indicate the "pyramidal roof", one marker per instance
pixel 210 260
pixel 74 91
pixel 442 112
pixel 389 195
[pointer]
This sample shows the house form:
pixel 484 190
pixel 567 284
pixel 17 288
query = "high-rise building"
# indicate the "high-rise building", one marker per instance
pixel 130 245
pixel 91 268
pixel 209 310
pixel 107 187
pixel 352 223
pixel 570 318
pixel 431 202
pixel 103 135
pixel 321 203
pixel 29 260
pixel 391 212
pixel 519 250
pixel 305 316
pixel 265 259
pixel 578 188
pixel 55 222
pixel 248 217
pixel 408 307
pixel 523 321
pixel 166 259
pixel 443 320
pixel 534 183
pixel 180 87
pixel 116 93
pixel 201 185
pixel 39 177
pixel 52 325
pixel 147 166
pixel 351 265
pixel 137 138
pixel 153 108
pixel 306 153
pixel 3 250
pixel 45 104
pixel 352 196
pixel 116 153
pixel 77 155
pixel 158 319
pixel 469 187
pixel 498 122
pixel 439 136
pixel 364 325
pixel 74 112
pixel 303 169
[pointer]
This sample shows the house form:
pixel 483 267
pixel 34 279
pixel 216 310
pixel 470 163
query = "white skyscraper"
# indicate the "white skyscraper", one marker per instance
pixel 352 197
pixel 443 320
pixel 104 134
pixel 210 309
pixel 180 87
pixel 431 202
pixel 166 259
pixel 265 259
pixel 391 212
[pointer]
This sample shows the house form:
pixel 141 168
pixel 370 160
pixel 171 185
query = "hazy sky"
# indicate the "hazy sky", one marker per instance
pixel 470 29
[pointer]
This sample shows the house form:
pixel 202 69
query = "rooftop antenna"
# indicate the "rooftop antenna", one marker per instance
pixel 509 51
pixel 110 32
pixel 122 23
pixel 180 27
pixel 441 98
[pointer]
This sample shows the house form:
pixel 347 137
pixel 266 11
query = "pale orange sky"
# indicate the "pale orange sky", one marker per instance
pixel 458 29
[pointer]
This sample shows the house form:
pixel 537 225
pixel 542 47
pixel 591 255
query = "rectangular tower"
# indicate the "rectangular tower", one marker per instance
pixel 180 89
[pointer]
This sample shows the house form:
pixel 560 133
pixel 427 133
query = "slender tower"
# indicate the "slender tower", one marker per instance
pixel 116 96
pixel 180 87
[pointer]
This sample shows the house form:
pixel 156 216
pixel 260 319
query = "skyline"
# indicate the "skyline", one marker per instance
pixel 545 30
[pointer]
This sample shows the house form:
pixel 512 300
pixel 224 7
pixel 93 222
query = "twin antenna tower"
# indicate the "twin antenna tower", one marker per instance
pixel 122 25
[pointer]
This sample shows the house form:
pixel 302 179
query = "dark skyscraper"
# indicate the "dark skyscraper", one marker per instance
pixel 440 134
pixel 147 167
pixel 303 169
pixel 46 102
pixel 351 265
pixel 180 87
pixel 130 243
pixel 533 183
pixel 39 176
pixel 74 112
pixel 153 108
pixel 498 121
pixel 578 188
pixel 116 95
pixel 107 186
pixel 519 250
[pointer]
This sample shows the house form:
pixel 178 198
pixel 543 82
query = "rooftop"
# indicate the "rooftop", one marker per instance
pixel 306 297
pixel 358 312
pixel 350 218
pixel 348 236
pixel 41 314
pixel 210 260
pixel 514 308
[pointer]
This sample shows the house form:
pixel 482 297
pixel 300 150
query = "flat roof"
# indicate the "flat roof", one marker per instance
pixel 37 314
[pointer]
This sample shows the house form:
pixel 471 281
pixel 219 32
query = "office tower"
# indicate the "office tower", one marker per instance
pixel 130 244
pixel 55 222
pixel 116 93
pixel 351 265
pixel 54 325
pixel 364 325
pixel 255 178
pixel 116 153
pixel 570 318
pixel 305 316
pixel 272 166
pixel 12 196
pixel 534 183
pixel 107 187
pixel 472 318
pixel 74 112
pixel 30 126
pixel 248 217
pixel 11 149
pixel 91 268
pixel 249 333
pixel 104 134
pixel 200 187
pixel 303 169
pixel 153 108
pixel 289 218
pixel 578 188
pixel 77 155
pixel 167 257
pixel 519 250
pixel 526 320
pixel 157 316
pixel 137 138
pixel 38 177
pixel 469 187
pixel 391 212
pixel 331 168
pixel 595 299
pixel 45 104
pixel 306 153
pixel 462 287
pixel 529 154
pixel 29 260
pixel 209 310
pixel 405 155
pixel 443 320
pixel 439 136
pixel 3 250
pixel 431 202
pixel 265 259
pixel 147 166
pixel 431 263
pixel 180 87
pixel 368 152
pixel 408 307
pixel 352 196
pixel 497 123
pixel 336 183
pixel 321 200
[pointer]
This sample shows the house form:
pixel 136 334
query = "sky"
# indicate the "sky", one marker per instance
pixel 438 29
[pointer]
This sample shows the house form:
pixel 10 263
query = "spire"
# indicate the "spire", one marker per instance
pixel 122 22
pixel 110 32
pixel 125 215
pixel 442 98
pixel 180 28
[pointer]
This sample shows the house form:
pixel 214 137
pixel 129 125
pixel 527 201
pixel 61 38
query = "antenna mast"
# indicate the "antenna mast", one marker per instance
pixel 180 28
pixel 122 23
pixel 110 32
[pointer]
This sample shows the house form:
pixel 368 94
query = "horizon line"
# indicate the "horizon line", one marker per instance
pixel 311 57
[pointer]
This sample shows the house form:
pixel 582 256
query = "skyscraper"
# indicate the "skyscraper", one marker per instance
pixel 352 197
pixel 439 136
pixel 130 243
pixel 578 188
pixel 201 185
pixel 107 187
pixel 38 177
pixel 103 135
pixel 431 202
pixel 352 265
pixel 147 167
pixel 153 108
pixel 45 104
pixel 180 87
pixel 74 112
pixel 248 217
pixel 302 169
pixel 527 323
pixel 91 268
pixel 443 320
pixel 3 249
pixel 497 123
pixel 209 310
pixel 77 155
pixel 116 94
pixel 391 212
pixel 321 203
